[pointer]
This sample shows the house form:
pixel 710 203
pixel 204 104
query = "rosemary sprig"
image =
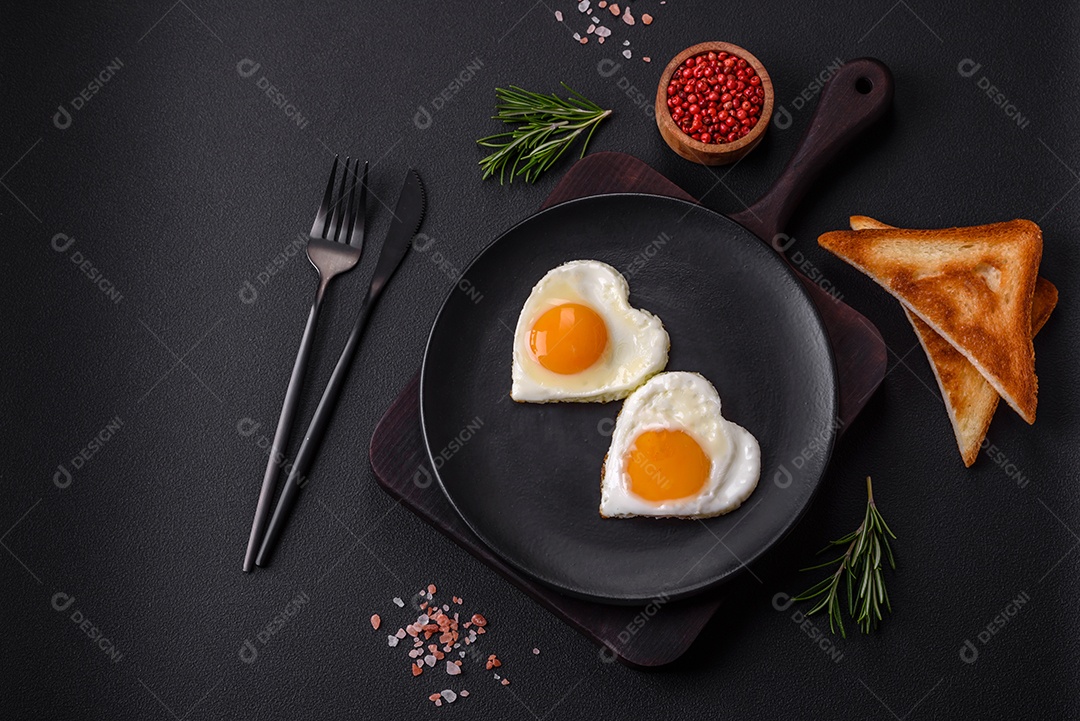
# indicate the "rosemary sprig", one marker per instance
pixel 860 570
pixel 546 125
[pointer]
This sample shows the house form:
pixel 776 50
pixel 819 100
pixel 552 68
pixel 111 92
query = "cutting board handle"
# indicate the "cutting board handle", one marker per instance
pixel 858 94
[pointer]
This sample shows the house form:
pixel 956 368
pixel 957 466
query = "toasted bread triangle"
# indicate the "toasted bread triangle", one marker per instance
pixel 969 399
pixel 973 286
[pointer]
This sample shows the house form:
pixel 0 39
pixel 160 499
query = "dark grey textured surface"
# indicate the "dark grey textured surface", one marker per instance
pixel 180 181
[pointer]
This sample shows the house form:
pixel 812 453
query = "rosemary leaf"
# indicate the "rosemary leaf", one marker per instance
pixel 545 126
pixel 862 571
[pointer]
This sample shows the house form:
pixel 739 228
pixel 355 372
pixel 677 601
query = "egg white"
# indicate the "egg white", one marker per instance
pixel 637 342
pixel 686 402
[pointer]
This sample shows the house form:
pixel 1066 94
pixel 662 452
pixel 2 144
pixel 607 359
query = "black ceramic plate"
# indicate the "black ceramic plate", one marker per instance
pixel 526 477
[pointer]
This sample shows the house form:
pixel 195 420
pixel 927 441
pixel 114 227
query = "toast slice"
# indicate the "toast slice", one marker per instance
pixel 973 286
pixel 969 399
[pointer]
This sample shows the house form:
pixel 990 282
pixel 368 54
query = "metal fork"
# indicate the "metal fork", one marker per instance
pixel 334 246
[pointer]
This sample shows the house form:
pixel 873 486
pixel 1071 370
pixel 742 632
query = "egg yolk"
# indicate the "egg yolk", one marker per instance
pixel 568 338
pixel 665 465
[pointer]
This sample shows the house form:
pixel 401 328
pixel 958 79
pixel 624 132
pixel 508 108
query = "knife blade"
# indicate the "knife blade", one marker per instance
pixel 408 215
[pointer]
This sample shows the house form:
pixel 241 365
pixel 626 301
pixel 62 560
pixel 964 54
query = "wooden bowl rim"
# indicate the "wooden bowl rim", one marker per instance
pixel 663 114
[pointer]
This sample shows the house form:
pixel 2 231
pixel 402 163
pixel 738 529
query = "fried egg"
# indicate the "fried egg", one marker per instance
pixel 673 454
pixel 578 339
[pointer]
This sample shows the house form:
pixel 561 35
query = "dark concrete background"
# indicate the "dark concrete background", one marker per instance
pixel 179 181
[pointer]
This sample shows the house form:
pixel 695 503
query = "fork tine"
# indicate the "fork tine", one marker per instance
pixel 318 228
pixel 338 218
pixel 357 240
pixel 350 214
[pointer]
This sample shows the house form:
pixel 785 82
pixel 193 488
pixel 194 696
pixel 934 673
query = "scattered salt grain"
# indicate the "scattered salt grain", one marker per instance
pixel 646 18
pixel 583 6
pixel 497 676
pixel 536 652
pixel 558 15
pixel 452 668
pixel 647 59
pixel 438 702
pixel 399 603
pixel 505 682
pixel 392 641
pixel 375 621
pixel 463 693
pixel 603 31
pixel 592 28
pixel 625 42
pixel 627 17
pixel 595 19
pixel 400 633
pixel 584 40
pixel 577 36
pixel 627 53
pixel 602 4
pixel 600 40
pixel 614 8
pixel 449 695
pixel 429 660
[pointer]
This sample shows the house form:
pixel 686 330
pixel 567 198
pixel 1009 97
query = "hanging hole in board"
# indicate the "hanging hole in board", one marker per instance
pixel 864 85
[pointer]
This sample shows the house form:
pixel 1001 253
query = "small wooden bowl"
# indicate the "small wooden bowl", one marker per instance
pixel 711 153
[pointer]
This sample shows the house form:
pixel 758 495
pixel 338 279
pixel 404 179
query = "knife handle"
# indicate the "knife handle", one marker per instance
pixel 298 476
pixel 854 98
